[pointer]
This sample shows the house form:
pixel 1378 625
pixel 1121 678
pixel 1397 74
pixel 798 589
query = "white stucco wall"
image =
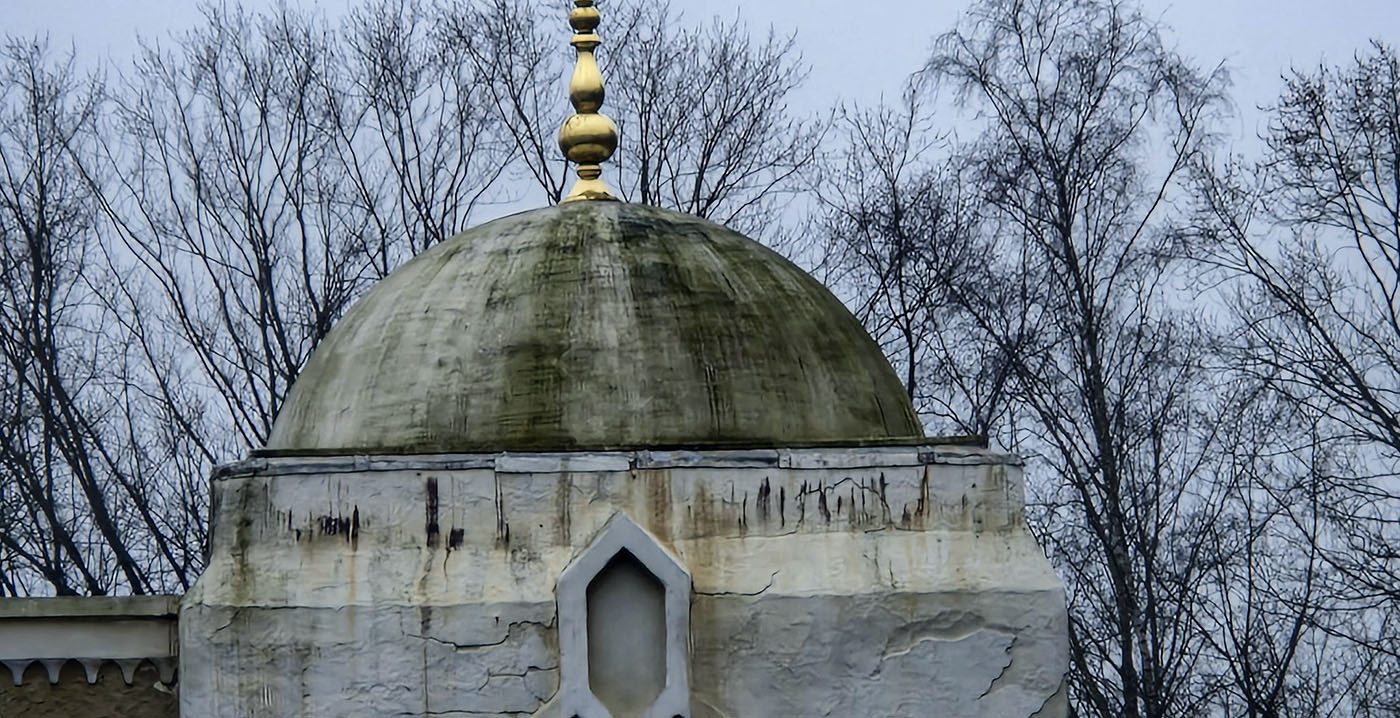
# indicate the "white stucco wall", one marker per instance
pixel 838 582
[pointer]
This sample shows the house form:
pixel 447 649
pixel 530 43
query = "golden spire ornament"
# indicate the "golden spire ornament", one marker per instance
pixel 587 138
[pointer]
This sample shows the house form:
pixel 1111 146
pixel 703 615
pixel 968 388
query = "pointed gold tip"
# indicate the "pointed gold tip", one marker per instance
pixel 587 138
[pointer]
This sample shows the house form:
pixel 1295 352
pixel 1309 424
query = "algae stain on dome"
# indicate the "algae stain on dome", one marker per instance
pixel 594 325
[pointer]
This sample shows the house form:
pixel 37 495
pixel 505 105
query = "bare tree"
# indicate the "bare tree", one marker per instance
pixel 1032 277
pixel 243 185
pixel 232 208
pixel 1263 595
pixel 514 47
pixel 88 503
pixel 1089 122
pixel 405 112
pixel 1311 236
pixel 271 169
pixel 702 110
pixel 236 195
pixel 1033 269
pixel 704 117
pixel 897 223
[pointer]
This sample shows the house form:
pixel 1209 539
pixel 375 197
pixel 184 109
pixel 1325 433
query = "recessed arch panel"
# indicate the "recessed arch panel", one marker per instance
pixel 627 584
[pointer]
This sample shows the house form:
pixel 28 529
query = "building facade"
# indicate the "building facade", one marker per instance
pixel 597 460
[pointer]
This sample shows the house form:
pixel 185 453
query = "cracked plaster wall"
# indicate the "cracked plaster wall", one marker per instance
pixel 836 582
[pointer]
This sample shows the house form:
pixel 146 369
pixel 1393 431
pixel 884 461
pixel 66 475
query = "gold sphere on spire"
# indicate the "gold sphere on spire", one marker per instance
pixel 587 138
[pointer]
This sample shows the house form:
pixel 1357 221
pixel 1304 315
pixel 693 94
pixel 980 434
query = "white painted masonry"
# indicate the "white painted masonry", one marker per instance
pixel 860 582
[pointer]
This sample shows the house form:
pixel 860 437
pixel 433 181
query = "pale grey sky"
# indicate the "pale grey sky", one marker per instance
pixel 859 49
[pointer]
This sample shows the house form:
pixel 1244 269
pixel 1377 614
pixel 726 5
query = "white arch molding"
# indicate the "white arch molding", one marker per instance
pixel 611 555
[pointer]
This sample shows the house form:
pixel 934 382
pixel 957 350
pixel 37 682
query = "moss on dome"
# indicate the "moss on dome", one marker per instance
pixel 594 325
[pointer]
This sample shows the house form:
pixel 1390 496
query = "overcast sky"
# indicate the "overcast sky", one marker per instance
pixel 859 49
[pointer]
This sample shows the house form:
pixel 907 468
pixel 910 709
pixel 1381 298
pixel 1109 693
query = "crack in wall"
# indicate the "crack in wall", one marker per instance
pixel 1057 693
pixel 467 647
pixel 760 591
pixel 1002 674
pixel 530 670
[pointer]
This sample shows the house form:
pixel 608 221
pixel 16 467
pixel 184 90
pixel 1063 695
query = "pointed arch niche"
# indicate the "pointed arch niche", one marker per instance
pixel 624 627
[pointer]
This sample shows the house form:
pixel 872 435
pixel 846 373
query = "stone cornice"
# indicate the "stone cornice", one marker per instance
pixel 284 463
pixel 124 631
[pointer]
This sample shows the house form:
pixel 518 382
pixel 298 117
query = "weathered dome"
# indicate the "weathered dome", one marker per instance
pixel 594 325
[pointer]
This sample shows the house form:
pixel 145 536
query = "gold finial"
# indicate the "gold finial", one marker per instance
pixel 587 138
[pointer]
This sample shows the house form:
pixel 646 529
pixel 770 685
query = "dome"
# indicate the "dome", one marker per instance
pixel 594 325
